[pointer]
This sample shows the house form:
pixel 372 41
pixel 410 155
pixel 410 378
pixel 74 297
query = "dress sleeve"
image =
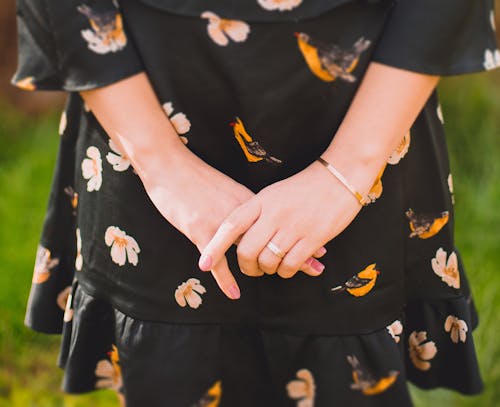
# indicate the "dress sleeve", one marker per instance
pixel 72 45
pixel 443 37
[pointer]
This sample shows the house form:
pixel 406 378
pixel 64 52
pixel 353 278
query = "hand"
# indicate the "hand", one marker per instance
pixel 298 214
pixel 203 198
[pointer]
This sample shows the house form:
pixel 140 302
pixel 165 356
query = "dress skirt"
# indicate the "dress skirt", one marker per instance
pixel 259 100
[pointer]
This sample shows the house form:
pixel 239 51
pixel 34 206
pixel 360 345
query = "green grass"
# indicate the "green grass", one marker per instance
pixel 28 373
pixel 29 376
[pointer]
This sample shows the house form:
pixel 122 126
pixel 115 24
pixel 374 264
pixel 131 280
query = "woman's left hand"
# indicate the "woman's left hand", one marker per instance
pixel 298 214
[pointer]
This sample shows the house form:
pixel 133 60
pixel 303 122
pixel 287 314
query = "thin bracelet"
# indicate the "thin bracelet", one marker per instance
pixel 363 200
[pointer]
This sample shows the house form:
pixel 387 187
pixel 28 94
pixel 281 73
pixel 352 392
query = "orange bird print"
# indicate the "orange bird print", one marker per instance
pixel 365 381
pixel 212 397
pixel 329 61
pixel 361 283
pixel 252 149
pixel 426 225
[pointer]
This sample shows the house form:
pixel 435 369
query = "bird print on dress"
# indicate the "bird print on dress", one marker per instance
pixel 212 397
pixel 109 373
pixel 107 33
pixel 361 283
pixel 329 61
pixel 365 380
pixel 426 225
pixel 73 197
pixel 44 263
pixel 252 149
pixel 400 151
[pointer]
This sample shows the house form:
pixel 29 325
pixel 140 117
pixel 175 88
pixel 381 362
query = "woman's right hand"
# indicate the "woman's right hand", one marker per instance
pixel 196 198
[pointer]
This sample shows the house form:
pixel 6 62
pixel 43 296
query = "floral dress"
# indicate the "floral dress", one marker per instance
pixel 257 89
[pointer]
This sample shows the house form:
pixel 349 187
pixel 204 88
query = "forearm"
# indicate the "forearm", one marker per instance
pixel 133 118
pixel 382 112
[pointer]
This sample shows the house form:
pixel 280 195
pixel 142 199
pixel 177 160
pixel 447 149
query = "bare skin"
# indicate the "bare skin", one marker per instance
pixel 170 172
pixel 310 208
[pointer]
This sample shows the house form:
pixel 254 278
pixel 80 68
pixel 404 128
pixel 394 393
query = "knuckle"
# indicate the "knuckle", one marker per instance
pixel 286 273
pixel 245 253
pixel 266 264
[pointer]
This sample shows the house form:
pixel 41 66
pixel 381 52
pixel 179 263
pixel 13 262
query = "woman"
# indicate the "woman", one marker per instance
pixel 298 147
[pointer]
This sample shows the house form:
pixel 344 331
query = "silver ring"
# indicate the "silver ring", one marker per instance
pixel 275 249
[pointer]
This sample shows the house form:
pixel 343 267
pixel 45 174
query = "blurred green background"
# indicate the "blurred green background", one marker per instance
pixel 28 145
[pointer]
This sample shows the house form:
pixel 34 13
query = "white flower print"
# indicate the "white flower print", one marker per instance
pixel 123 246
pixel 189 293
pixel 106 33
pixel 62 297
pixel 92 169
pixel 457 328
pixel 117 159
pixel 447 270
pixel 491 59
pixel 439 112
pixel 303 389
pixel 64 302
pixel 44 263
pixel 281 5
pixel 395 329
pixel 450 187
pixel 421 350
pixel 181 123
pixel 62 123
pixel 79 258
pixel 221 30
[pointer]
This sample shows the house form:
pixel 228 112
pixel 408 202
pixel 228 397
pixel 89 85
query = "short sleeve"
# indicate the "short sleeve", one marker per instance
pixel 72 45
pixel 439 37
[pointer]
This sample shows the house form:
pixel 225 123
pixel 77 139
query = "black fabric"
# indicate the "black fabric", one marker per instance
pixel 60 48
pixel 123 284
pixel 448 37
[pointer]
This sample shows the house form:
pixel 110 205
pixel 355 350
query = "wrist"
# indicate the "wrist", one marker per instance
pixel 158 162
pixel 361 169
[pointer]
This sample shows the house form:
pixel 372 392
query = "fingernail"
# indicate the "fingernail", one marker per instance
pixel 234 292
pixel 205 262
pixel 315 264
pixel 322 251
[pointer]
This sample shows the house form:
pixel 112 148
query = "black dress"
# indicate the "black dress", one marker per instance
pixel 257 89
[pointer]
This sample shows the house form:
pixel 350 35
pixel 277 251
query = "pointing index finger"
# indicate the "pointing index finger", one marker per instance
pixel 229 232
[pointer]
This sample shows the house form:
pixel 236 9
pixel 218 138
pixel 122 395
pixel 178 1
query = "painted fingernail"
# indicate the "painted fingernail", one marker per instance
pixel 205 262
pixel 234 292
pixel 322 251
pixel 315 264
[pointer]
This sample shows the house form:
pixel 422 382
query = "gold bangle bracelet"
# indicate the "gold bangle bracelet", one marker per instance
pixel 363 200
